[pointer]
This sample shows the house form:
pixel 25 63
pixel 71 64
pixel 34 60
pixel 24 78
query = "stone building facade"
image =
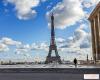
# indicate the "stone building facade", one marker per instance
pixel 94 19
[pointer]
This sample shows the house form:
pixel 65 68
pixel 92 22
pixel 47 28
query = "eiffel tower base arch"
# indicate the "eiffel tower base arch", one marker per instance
pixel 51 59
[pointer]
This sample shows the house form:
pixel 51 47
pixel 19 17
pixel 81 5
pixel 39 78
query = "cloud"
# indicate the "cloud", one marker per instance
pixel 22 49
pixel 25 50
pixel 89 3
pixel 81 37
pixel 60 40
pixel 5 42
pixel 67 13
pixel 34 46
pixel 43 0
pixel 40 46
pixel 67 43
pixel 3 48
pixel 78 45
pixel 24 8
pixel 80 54
pixel 9 41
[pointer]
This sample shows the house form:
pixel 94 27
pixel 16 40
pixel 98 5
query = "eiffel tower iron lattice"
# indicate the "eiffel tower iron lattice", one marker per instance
pixel 53 47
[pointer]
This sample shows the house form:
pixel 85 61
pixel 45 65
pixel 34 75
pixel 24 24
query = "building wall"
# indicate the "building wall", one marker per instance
pixel 95 31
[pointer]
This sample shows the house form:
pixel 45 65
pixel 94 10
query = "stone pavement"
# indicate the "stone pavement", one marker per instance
pixel 49 66
pixel 47 72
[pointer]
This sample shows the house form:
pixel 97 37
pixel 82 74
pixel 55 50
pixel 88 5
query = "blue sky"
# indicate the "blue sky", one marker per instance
pixel 25 33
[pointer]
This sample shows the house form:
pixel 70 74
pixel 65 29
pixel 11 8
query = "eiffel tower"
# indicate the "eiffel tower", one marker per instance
pixel 49 58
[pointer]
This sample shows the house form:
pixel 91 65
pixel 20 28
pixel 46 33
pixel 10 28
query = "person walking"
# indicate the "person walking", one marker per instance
pixel 75 62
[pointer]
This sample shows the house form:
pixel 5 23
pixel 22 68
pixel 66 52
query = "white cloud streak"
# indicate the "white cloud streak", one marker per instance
pixel 67 13
pixel 89 3
pixel 24 8
pixel 5 42
pixel 3 48
pixel 9 41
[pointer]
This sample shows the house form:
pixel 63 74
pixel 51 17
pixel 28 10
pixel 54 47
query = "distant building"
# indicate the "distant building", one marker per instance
pixel 82 62
pixel 94 18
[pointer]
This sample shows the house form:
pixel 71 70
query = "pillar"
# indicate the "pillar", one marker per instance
pixel 93 39
pixel 97 37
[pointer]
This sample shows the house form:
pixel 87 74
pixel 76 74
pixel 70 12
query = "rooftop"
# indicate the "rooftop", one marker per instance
pixel 94 11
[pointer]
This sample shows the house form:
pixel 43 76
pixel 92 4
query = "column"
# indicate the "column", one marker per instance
pixel 94 26
pixel 99 18
pixel 93 39
pixel 97 36
pixel 98 24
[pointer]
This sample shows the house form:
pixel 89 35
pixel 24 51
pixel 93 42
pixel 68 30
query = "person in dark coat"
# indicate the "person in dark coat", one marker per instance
pixel 75 62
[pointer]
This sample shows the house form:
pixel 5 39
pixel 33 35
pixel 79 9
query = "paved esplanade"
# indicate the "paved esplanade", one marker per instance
pixel 40 76
pixel 43 75
pixel 46 72
pixel 49 66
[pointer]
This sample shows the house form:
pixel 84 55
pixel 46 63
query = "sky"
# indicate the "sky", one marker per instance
pixel 25 29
